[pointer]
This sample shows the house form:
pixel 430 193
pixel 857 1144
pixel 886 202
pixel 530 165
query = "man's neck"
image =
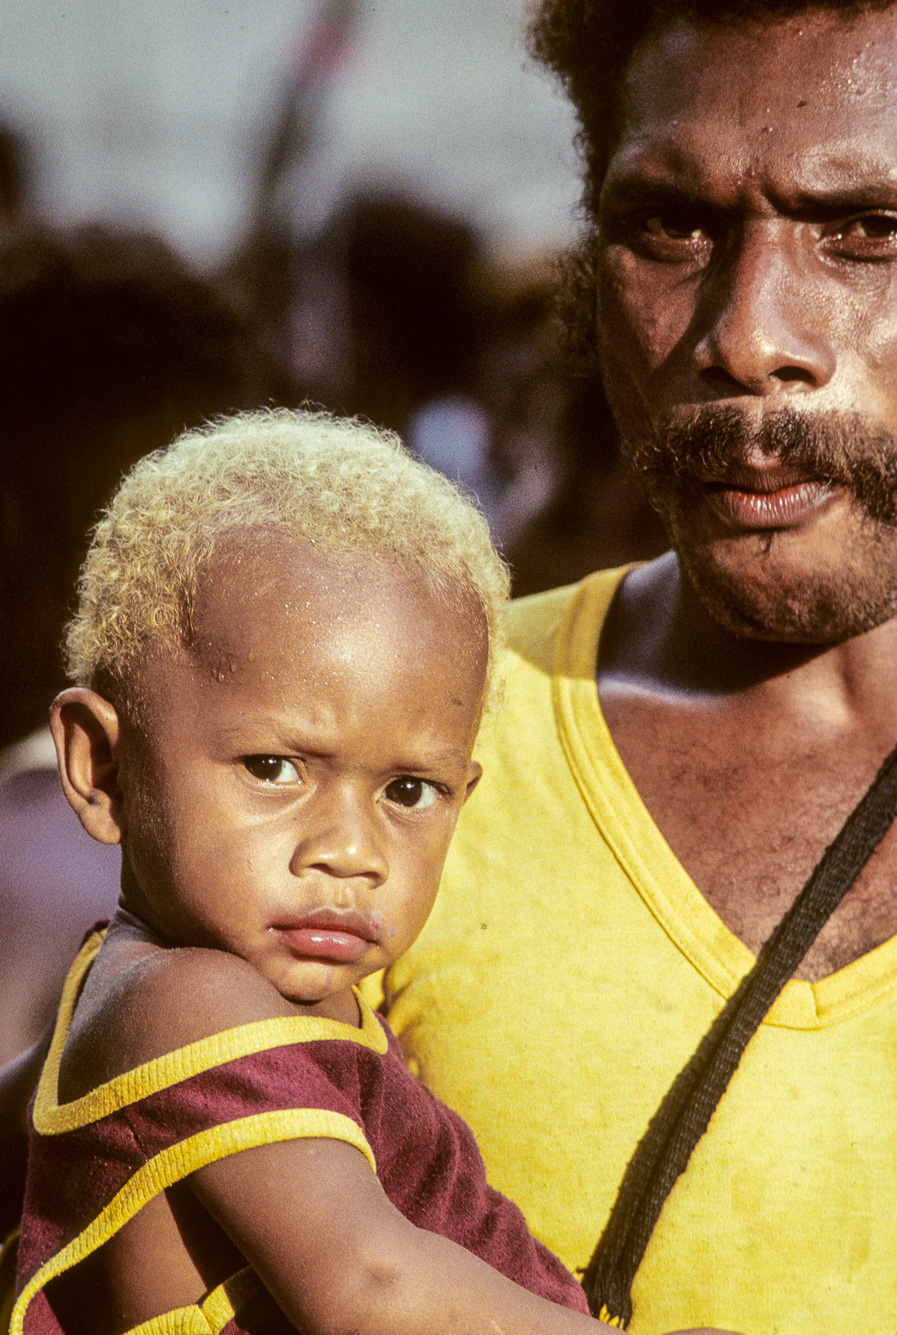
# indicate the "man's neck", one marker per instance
pixel 750 755
pixel 659 638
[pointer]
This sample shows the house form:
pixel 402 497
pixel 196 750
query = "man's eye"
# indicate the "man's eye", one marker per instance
pixel 271 769
pixel 407 791
pixel 870 227
pixel 669 227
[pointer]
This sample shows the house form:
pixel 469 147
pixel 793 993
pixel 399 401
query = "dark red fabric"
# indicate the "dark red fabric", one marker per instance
pixel 427 1159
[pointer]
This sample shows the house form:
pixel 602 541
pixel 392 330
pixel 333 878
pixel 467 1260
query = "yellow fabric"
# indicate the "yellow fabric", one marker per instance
pixel 52 1118
pixel 223 1302
pixel 212 1315
pixel 567 972
pixel 178 1161
pixel 185 1321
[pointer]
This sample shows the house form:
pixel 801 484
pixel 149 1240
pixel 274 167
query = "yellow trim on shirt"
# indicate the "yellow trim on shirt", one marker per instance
pixel 647 860
pixel 211 1315
pixel 51 1118
pixel 181 1321
pixel 177 1162
pixel 224 1302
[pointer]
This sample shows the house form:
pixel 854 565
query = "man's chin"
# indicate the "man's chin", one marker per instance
pixel 763 595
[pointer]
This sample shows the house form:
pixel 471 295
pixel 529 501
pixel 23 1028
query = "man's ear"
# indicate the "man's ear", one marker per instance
pixel 87 732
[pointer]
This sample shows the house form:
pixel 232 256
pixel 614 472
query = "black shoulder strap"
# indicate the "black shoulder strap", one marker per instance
pixel 685 1112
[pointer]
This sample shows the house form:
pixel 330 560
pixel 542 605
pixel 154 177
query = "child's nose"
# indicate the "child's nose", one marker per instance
pixel 340 837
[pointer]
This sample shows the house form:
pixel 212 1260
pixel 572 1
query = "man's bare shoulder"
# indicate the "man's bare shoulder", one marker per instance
pixel 135 1011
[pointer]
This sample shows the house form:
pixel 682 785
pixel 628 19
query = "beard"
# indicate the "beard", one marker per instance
pixel 821 584
pixel 836 449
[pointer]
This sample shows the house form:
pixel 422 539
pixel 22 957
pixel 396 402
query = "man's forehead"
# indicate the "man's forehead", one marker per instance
pixel 820 87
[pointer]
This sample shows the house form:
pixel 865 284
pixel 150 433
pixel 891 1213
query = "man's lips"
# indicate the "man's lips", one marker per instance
pixel 755 499
pixel 341 935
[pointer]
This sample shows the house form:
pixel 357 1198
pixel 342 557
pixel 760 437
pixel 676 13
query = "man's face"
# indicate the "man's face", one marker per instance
pixel 291 794
pixel 747 303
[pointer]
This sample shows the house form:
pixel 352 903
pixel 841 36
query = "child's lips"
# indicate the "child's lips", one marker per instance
pixel 340 935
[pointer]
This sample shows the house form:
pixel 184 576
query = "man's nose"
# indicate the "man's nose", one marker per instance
pixel 341 837
pixel 764 329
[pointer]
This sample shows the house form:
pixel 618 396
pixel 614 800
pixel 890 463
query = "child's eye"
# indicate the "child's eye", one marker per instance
pixel 407 791
pixel 271 769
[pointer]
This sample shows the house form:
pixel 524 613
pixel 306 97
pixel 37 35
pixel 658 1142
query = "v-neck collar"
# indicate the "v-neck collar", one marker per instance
pixel 662 882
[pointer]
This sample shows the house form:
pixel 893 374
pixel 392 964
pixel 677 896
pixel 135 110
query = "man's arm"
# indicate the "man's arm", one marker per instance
pixel 17 1081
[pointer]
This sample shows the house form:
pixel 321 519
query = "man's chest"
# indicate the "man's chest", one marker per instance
pixel 748 812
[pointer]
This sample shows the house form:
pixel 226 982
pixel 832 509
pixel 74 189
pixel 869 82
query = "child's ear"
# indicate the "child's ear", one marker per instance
pixel 86 729
pixel 474 774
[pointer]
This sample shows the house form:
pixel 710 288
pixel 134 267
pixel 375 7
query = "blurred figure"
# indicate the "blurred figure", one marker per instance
pixel 414 309
pixel 522 385
pixel 570 502
pixel 387 322
pixel 598 516
pixel 16 171
pixel 276 265
pixel 109 345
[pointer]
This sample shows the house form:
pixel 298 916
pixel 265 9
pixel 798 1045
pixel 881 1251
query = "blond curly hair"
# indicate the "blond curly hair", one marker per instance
pixel 344 485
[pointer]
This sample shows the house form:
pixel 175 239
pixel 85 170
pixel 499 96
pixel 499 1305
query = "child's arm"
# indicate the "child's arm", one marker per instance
pixel 316 1226
pixel 309 1215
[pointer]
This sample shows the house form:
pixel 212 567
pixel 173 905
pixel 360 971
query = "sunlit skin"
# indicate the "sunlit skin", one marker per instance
pixel 292 787
pixel 284 796
pixel 747 258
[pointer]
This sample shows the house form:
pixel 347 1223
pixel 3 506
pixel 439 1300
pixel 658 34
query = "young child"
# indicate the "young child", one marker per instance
pixel 285 636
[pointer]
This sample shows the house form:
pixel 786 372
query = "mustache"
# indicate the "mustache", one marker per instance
pixel 838 449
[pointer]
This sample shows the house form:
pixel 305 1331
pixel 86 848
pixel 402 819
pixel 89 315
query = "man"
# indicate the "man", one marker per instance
pixel 630 850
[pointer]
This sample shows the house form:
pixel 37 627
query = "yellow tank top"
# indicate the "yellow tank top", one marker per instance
pixel 569 969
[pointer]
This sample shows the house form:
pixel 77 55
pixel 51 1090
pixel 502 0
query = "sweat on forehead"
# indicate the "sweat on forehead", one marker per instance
pixel 338 485
pixel 246 587
pixel 587 45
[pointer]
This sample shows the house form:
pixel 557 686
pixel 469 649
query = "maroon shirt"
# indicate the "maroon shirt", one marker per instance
pixel 426 1158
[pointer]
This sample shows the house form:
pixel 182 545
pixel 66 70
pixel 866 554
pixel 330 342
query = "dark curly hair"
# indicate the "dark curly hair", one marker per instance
pixel 587 45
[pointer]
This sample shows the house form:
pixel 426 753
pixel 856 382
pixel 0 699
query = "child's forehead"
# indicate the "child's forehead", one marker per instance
pixel 279 588
pixel 247 568
pixel 281 626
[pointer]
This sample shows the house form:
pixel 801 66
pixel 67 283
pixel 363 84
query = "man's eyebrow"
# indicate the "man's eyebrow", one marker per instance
pixel 636 188
pixel 856 197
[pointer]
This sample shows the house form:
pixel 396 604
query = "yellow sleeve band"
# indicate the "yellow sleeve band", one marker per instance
pixel 177 1162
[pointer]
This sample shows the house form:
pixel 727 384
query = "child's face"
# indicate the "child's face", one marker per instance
pixel 303 767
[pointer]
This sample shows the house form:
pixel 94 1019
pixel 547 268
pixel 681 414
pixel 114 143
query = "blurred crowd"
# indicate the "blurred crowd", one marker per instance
pixel 111 342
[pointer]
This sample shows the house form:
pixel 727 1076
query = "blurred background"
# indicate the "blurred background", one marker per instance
pixel 157 111
pixel 356 203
